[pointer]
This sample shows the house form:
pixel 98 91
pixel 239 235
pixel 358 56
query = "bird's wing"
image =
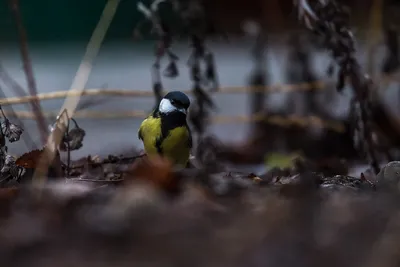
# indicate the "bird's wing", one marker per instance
pixel 190 140
pixel 140 136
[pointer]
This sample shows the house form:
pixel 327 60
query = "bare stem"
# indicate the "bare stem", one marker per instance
pixel 258 78
pixel 42 126
pixel 68 152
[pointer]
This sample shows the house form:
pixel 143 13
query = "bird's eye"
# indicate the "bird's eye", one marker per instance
pixel 172 101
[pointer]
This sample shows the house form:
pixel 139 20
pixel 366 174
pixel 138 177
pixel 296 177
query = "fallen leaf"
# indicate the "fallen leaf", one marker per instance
pixel 29 160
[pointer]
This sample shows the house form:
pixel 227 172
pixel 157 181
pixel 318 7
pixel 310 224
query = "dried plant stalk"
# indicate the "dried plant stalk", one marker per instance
pixel 163 46
pixel 258 77
pixel 330 21
pixel 42 125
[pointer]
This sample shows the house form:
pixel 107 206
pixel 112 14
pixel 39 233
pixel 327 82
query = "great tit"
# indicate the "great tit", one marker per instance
pixel 166 132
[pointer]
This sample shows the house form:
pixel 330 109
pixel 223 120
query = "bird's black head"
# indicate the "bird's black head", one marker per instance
pixel 178 99
pixel 174 101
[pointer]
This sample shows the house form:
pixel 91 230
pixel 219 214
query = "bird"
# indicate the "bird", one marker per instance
pixel 165 131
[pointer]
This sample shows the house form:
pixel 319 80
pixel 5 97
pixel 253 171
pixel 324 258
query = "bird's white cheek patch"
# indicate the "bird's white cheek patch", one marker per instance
pixel 166 106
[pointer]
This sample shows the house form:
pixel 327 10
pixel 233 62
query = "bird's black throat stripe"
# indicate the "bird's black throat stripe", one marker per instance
pixel 169 122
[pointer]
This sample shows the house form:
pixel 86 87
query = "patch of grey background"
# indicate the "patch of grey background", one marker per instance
pixel 127 66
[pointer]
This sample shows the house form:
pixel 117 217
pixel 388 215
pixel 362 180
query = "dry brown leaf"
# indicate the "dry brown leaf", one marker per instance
pixel 30 160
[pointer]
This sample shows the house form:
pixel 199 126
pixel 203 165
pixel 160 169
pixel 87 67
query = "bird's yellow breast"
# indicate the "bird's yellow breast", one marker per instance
pixel 174 146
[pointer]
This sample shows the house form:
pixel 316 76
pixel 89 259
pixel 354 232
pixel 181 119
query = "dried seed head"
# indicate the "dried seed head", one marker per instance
pixel 11 131
pixel 10 169
pixel 171 71
pixel 10 160
pixel 76 137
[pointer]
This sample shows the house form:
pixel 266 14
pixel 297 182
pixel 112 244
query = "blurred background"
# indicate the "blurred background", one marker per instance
pixel 58 33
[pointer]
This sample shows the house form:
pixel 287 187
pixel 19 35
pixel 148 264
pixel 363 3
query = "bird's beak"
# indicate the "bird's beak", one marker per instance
pixel 182 110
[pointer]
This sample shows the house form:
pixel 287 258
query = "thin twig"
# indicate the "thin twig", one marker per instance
pixel 163 47
pixel 258 76
pixel 374 35
pixel 392 55
pixel 68 149
pixel 42 125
